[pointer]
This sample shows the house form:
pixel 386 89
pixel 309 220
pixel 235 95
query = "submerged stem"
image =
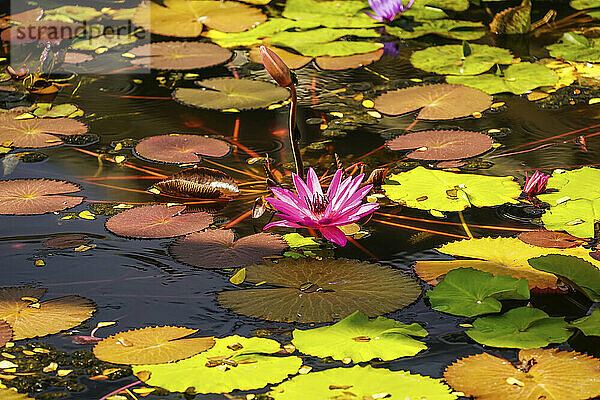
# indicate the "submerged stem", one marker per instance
pixel 293 138
pixel 464 225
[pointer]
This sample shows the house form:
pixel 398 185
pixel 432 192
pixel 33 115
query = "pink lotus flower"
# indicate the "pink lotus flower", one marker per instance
pixel 536 184
pixel 386 10
pixel 310 208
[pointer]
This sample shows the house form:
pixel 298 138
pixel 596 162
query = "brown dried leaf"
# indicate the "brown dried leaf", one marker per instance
pixel 541 374
pixel 441 101
pixel 217 249
pixel 37 132
pixel 442 145
pixel 180 55
pixel 151 345
pixel 157 221
pixel 67 241
pixel 6 333
pixel 309 290
pixel 198 182
pixel 180 148
pixel 45 318
pixel 36 196
pixel 550 239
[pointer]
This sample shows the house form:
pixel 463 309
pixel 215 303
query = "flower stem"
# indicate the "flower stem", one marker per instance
pixel 293 138
pixel 121 389
pixel 464 225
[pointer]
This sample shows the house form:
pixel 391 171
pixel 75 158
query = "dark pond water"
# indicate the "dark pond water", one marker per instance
pixel 137 283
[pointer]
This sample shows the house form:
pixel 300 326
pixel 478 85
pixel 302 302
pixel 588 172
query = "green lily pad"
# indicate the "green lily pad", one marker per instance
pixel 320 42
pixel 590 325
pixel 583 4
pixel 454 5
pixel 233 363
pixel 428 189
pixel 338 14
pixel 580 183
pixel 449 28
pixel 470 292
pixel 577 217
pixel 108 41
pixel 521 328
pixel 424 13
pixel 360 339
pixel 296 240
pixel 517 78
pixel 513 21
pixel 254 36
pixel 71 13
pixel 362 383
pixel 574 47
pixel 48 110
pixel 452 60
pixel 579 273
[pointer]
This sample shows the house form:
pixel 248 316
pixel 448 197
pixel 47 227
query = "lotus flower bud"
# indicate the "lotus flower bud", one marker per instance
pixel 276 67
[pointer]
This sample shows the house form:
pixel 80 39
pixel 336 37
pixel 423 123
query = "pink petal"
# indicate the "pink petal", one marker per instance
pixel 355 214
pixel 334 235
pixel 287 196
pixel 355 199
pixel 285 207
pixel 282 224
pixel 335 183
pixel 312 181
pixel 301 188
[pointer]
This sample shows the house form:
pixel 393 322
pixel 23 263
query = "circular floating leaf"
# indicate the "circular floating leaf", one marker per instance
pixel 37 132
pixel 231 93
pixel 179 55
pixel 578 217
pixel 151 345
pixel 360 339
pixel 469 292
pixel 6 333
pixel 550 239
pixel 540 374
pixel 36 196
pixel 522 328
pixel 233 363
pixel 180 149
pixel 157 221
pixel 348 62
pixel 30 318
pixel 217 249
pixel 441 101
pixel 186 18
pixel 574 47
pixel 442 145
pixel 308 290
pixel 428 189
pixel 517 78
pixel 577 272
pixel 454 59
pixel 197 182
pixel 66 241
pixel 362 383
pixel 589 325
pixel 462 30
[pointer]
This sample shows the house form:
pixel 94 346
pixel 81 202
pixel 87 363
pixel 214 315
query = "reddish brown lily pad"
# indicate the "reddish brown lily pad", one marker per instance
pixel 157 221
pixel 22 17
pixel 348 62
pixel 292 60
pixel 180 149
pixel 215 249
pixel 36 196
pixel 441 101
pixel 180 55
pixel 37 132
pixel 41 31
pixel 66 241
pixel 550 239
pixel 442 145
pixel 186 18
pixel 6 333
pixel 197 182
pixel 75 57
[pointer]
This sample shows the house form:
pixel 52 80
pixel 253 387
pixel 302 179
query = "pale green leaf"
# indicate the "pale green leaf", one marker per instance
pixel 577 272
pixel 450 59
pixel 334 14
pixel 589 325
pixel 574 47
pixel 577 217
pixel 295 240
pixel 449 28
pixel 320 42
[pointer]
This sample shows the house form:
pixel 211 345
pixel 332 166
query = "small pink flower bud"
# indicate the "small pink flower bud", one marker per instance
pixel 276 67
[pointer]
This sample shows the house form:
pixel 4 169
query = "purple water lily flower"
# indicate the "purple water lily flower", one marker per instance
pixel 311 208
pixel 536 184
pixel 386 10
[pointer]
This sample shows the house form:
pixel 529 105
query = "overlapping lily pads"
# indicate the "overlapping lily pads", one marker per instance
pixel 151 345
pixel 517 78
pixel 428 189
pixel 179 55
pixel 157 221
pixel 448 28
pixel 309 290
pixel 469 292
pixel 348 62
pixel 442 145
pixel 550 239
pixel 362 382
pixel 522 328
pixel 232 94
pixel 360 339
pixel 574 47
pixel 589 325
pixel 187 18
pixel 453 59
pixel 340 14
pixel 323 42
pixel 233 363
pixel 441 101
pixel 29 318
pixel 215 249
pixel 578 217
pixel 37 132
pixel 36 196
pixel 539 373
pixel 581 274
pixel 180 149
